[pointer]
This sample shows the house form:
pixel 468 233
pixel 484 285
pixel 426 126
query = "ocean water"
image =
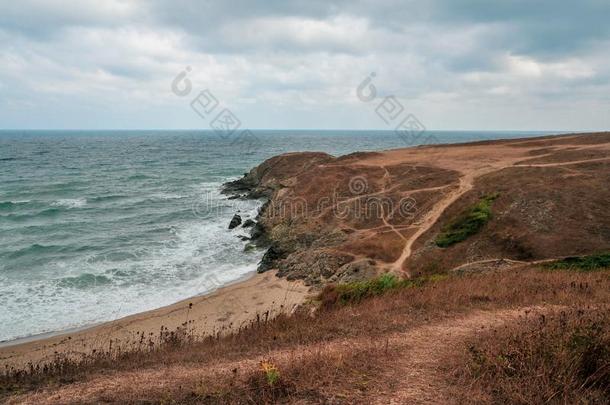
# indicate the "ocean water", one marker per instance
pixel 97 225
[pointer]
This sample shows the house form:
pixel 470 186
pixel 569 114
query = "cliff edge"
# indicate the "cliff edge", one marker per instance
pixel 431 209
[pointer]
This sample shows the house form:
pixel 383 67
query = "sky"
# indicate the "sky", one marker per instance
pixel 281 64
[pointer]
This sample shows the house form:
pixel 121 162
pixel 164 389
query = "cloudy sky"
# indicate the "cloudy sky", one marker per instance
pixel 454 64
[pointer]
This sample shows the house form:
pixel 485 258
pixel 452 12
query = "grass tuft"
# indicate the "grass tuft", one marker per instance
pixel 272 374
pixel 468 223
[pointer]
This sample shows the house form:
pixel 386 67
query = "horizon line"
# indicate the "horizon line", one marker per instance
pixel 307 129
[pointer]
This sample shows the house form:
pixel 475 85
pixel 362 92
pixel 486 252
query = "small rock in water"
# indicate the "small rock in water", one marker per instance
pixel 248 223
pixel 235 221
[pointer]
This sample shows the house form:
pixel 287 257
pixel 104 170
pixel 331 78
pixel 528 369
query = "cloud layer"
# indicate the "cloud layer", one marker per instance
pixel 455 64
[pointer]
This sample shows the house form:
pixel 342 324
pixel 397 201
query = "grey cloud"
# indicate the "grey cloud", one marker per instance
pixel 44 19
pixel 314 52
pixel 545 28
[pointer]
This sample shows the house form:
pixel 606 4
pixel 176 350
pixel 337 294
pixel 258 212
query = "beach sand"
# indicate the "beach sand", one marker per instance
pixel 221 311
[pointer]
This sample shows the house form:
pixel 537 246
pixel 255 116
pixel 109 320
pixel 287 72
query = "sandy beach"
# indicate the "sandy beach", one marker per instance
pixel 221 311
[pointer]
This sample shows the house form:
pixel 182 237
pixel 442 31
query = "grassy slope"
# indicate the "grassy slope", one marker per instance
pixel 217 370
pixel 561 357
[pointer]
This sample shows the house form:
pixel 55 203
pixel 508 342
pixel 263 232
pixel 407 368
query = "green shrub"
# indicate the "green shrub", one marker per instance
pixel 357 291
pixel 350 293
pixel 581 263
pixel 468 223
pixel 354 292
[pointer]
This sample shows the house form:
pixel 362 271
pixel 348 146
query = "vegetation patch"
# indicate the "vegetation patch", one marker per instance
pixel 468 223
pixel 581 263
pixel 355 292
pixel 272 374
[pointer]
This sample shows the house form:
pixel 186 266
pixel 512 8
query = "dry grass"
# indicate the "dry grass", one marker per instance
pixel 562 357
pixel 336 355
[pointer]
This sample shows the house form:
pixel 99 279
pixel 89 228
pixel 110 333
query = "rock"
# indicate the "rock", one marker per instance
pixel 248 223
pixel 234 197
pixel 235 221
pixel 244 238
pixel 257 233
pixel 312 266
pixel 359 270
pixel 271 256
pixel 244 184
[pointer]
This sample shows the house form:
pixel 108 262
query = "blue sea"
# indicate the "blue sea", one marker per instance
pixel 97 225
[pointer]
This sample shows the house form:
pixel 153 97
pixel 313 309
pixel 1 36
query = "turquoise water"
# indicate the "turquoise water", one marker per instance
pixel 102 224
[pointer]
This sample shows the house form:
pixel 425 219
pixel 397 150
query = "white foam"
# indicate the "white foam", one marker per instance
pixel 70 202
pixel 167 196
pixel 200 256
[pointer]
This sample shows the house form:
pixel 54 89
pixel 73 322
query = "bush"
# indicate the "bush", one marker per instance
pixel 582 263
pixel 354 292
pixel 468 223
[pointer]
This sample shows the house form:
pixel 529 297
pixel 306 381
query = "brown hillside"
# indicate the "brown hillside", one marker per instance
pixel 337 219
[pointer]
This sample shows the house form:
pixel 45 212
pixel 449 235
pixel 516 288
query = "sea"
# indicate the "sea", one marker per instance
pixel 98 225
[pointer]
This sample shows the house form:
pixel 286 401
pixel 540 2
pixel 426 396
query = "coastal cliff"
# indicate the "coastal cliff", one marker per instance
pixel 338 219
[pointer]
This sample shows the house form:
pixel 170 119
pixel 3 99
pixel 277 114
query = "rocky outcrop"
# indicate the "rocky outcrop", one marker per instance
pixel 357 270
pixel 264 179
pixel 273 254
pixel 314 267
pixel 286 243
pixel 315 222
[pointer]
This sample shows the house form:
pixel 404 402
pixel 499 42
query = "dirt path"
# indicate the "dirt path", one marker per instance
pixel 566 163
pixel 424 351
pixel 415 375
pixel 468 161
pixel 465 185
pixel 430 219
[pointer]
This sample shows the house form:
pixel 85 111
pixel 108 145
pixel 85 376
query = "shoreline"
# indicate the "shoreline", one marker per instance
pixel 231 312
pixel 220 311
pixel 77 329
